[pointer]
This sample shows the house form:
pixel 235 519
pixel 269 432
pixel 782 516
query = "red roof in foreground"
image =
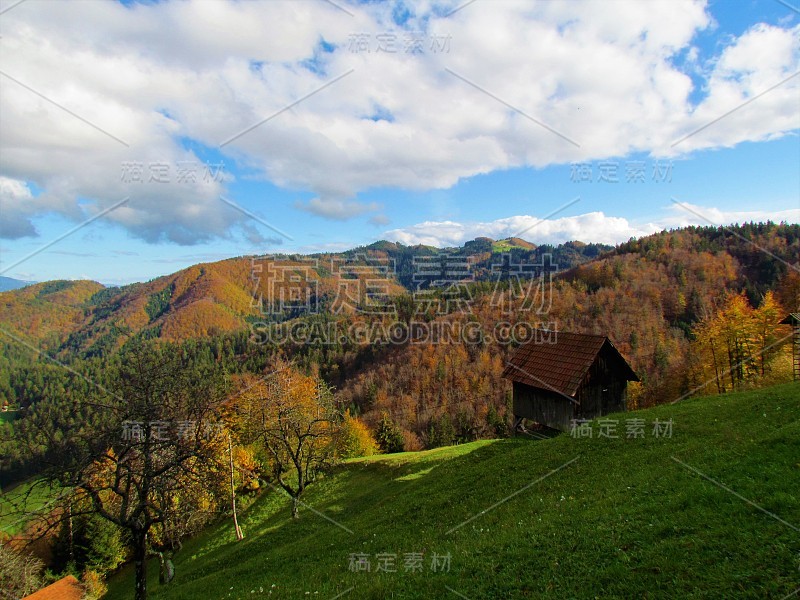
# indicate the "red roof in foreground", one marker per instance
pixel 560 366
pixel 66 588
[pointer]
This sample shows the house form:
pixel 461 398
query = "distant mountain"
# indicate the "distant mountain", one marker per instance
pixel 48 309
pixel 648 295
pixel 684 269
pixel 8 283
pixel 208 299
pixel 511 243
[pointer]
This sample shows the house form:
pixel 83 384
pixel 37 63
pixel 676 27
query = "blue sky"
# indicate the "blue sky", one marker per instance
pixel 505 114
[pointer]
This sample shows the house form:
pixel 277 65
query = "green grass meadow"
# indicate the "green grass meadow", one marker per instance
pixel 21 501
pixel 599 517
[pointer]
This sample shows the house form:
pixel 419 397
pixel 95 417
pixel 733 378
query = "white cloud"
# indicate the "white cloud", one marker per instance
pixel 600 73
pixel 754 79
pixel 379 220
pixel 593 227
pixel 336 209
pixel 590 227
pixel 685 214
pixel 17 205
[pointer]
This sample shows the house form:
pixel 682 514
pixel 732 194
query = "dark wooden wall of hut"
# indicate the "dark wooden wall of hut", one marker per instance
pixel 545 407
pixel 601 392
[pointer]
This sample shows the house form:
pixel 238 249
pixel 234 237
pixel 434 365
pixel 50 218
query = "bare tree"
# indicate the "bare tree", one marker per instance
pixel 239 534
pixel 147 454
pixel 292 418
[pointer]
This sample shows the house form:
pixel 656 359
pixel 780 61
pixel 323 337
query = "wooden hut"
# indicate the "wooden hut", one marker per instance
pixel 563 376
pixel 793 319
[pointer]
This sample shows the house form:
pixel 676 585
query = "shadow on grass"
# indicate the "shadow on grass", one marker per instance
pixel 621 521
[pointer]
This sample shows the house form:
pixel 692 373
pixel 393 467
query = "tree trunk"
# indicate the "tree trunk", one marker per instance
pixel 140 562
pixel 295 503
pixel 239 535
pixel 71 536
pixel 716 369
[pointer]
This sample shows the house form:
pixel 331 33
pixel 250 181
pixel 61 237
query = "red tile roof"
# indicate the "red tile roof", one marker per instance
pixel 66 588
pixel 560 366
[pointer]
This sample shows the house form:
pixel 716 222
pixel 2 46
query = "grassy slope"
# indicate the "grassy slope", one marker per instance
pixel 623 521
pixel 22 500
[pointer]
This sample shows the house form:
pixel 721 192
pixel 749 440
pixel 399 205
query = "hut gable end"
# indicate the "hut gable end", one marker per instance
pixel 562 376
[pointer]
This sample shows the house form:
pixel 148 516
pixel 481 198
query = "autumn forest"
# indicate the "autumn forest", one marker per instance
pixel 387 348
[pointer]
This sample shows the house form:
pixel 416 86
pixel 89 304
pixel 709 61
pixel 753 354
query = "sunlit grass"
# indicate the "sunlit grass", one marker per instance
pixel 624 520
pixel 22 503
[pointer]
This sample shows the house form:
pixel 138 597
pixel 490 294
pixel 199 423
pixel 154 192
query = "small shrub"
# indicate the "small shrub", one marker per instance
pixel 390 436
pixel 411 441
pixel 94 587
pixel 354 438
pixel 20 573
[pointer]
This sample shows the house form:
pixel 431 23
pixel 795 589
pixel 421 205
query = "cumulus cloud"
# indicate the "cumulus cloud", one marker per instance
pixel 593 227
pixel 379 220
pixel 255 238
pixel 761 65
pixel 16 208
pixel 589 227
pixel 336 209
pixel 683 214
pixel 277 87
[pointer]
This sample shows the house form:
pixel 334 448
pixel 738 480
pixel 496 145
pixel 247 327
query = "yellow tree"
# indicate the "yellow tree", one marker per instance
pixel 723 343
pixel 707 352
pixel 354 438
pixel 735 331
pixel 292 418
pixel 737 343
pixel 766 320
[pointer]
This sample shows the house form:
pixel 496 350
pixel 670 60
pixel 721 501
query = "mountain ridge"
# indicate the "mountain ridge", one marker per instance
pixel 211 298
pixel 9 283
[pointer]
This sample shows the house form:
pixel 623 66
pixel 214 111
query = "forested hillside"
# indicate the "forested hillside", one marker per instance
pixel 227 372
pixel 665 301
pixel 655 298
pixel 85 319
